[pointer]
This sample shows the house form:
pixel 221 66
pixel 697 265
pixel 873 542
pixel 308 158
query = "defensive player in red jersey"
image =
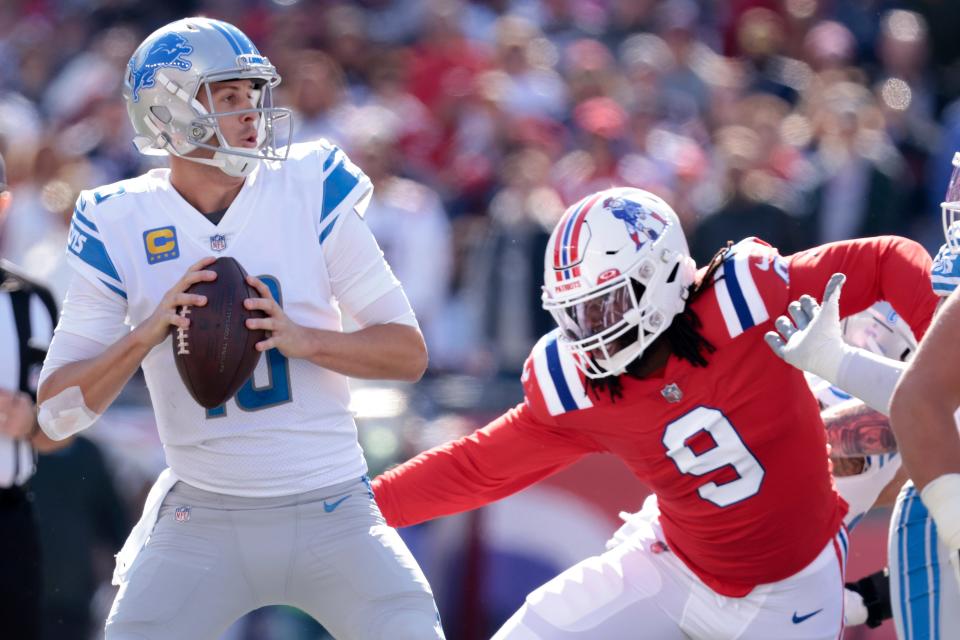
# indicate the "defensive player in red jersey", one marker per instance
pixel 665 367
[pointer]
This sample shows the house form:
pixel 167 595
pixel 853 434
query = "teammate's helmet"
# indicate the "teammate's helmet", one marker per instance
pixel 881 330
pixel 164 78
pixel 616 272
pixel 951 207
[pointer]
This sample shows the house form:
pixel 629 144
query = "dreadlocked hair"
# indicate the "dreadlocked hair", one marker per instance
pixel 683 335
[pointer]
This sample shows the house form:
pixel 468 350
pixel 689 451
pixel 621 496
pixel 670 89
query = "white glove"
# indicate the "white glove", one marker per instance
pixel 855 611
pixel 814 339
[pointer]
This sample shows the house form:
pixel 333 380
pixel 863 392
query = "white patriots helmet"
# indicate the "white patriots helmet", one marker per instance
pixel 950 208
pixel 617 271
pixel 881 330
pixel 164 78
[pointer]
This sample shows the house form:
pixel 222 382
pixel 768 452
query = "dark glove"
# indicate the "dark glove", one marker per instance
pixel 875 591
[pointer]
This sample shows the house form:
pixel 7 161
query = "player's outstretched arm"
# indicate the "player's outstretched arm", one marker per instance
pixel 811 340
pixel 509 454
pixel 379 351
pixel 72 396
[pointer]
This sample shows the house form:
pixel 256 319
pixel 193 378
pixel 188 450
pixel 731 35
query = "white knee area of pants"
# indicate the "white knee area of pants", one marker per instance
pixel 65 414
pixel 571 600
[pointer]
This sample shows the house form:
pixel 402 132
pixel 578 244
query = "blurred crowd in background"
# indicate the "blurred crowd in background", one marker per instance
pixel 797 121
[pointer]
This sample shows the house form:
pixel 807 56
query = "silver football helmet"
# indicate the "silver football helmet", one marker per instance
pixel 950 208
pixel 166 74
pixel 881 330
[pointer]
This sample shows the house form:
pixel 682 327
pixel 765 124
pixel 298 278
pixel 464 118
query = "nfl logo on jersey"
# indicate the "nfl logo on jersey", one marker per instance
pixel 218 242
pixel 182 514
pixel 672 393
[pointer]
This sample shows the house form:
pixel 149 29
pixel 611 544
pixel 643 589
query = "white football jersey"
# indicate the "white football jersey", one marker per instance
pixel 288 429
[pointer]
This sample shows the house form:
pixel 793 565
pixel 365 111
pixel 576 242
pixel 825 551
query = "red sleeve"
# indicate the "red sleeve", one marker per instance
pixel 887 268
pixel 509 454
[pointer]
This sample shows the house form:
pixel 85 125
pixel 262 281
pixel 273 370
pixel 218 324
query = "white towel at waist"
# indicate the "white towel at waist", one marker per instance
pixel 141 531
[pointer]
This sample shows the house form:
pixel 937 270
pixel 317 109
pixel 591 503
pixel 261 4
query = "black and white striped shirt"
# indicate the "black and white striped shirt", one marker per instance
pixel 28 315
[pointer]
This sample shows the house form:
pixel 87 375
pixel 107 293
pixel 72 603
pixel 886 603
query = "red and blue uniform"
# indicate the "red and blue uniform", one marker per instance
pixel 735 451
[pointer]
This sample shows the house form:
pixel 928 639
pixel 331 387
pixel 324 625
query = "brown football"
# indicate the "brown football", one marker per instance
pixel 216 354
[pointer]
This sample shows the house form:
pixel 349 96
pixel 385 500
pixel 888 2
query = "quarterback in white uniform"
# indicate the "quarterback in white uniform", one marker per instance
pixel 265 500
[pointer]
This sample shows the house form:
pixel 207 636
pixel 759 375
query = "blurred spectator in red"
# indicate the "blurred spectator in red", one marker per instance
pixel 595 164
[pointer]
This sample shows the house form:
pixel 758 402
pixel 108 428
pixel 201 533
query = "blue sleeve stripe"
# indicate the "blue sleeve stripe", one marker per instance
pixel 117 290
pixel 336 187
pixel 94 254
pixel 86 221
pixel 330 158
pixel 556 374
pixel 915 564
pixel 326 230
pixel 736 295
pixel 935 565
pixel 901 542
pixel 226 34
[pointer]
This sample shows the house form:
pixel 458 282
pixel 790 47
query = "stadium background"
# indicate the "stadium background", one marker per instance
pixel 799 121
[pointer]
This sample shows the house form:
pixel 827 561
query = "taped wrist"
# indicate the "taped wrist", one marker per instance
pixel 942 499
pixel 869 377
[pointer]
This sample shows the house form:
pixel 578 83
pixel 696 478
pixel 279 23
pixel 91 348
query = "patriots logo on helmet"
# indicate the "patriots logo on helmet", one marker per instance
pixel 170 50
pixel 639 220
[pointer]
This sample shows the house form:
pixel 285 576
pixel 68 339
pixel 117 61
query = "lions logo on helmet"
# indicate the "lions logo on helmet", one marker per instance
pixel 171 50
pixel 177 65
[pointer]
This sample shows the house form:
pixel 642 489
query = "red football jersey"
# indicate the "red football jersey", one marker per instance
pixel 735 451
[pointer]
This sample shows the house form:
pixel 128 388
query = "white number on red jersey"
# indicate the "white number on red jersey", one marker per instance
pixel 728 451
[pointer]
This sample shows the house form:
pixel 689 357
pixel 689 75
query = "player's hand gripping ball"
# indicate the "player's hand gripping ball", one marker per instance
pixel 216 354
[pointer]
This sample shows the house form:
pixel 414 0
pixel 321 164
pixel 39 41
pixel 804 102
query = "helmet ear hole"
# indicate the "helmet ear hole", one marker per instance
pixel 673 274
pixel 162 114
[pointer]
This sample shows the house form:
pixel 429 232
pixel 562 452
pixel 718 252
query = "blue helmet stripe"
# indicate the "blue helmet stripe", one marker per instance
pixel 242 40
pixel 219 26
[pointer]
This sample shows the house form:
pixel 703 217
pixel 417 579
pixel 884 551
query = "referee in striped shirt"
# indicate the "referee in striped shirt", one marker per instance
pixel 27 317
